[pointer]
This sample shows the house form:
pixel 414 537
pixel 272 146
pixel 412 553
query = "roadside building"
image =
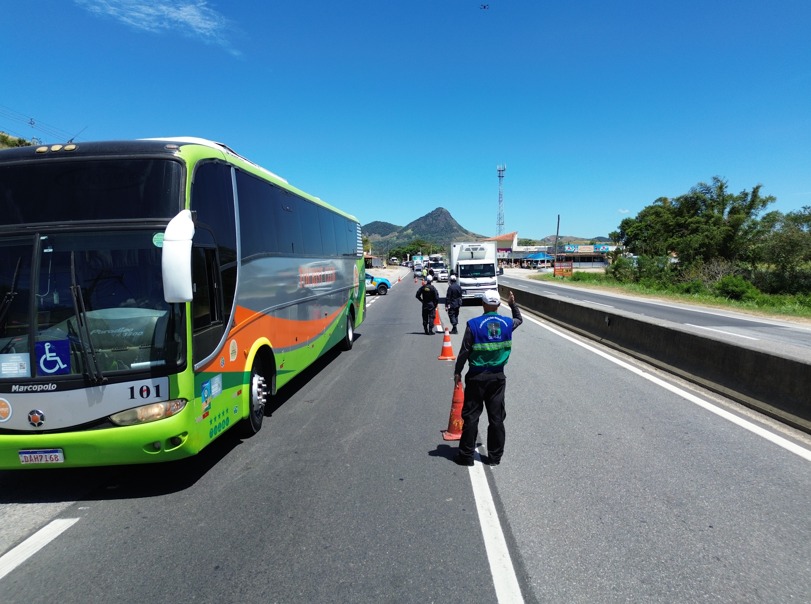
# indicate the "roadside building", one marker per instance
pixel 372 261
pixel 539 259
pixel 586 256
pixel 505 244
pixel 581 257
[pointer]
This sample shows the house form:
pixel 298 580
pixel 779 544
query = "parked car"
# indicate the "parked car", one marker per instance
pixel 377 285
pixel 440 271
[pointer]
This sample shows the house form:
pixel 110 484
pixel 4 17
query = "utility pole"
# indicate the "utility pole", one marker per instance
pixel 500 220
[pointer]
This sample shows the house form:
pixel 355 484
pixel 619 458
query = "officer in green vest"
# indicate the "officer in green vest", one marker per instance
pixel 486 348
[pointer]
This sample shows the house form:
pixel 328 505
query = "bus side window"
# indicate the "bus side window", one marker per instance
pixel 207 318
pixel 212 197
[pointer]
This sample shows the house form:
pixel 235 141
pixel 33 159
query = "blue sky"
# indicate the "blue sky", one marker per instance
pixel 391 108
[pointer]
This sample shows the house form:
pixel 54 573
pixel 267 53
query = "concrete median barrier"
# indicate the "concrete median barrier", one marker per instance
pixel 776 385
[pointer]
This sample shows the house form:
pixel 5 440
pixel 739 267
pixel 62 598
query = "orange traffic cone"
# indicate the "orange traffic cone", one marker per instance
pixel 437 322
pixel 415 278
pixel 446 354
pixel 455 423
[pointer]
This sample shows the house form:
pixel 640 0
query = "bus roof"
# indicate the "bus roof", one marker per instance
pixel 193 140
pixel 157 146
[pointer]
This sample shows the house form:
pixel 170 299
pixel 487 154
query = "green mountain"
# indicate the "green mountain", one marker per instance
pixel 437 227
pixel 379 229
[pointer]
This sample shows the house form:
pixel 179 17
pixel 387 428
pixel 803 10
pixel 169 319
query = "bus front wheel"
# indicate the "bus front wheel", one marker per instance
pixel 258 394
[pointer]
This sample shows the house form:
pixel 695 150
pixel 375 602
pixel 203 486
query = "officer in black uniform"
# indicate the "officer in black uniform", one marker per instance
pixel 486 347
pixel 453 301
pixel 429 296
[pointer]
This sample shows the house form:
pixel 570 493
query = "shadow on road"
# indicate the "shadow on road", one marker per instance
pixel 150 480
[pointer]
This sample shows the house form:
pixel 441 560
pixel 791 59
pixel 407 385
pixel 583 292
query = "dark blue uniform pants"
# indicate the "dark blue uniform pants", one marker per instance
pixel 428 317
pixel 484 390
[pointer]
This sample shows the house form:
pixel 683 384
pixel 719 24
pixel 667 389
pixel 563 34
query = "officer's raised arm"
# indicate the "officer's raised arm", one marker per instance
pixel 517 318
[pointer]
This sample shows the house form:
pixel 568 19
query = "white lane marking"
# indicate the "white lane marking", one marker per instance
pixel 370 299
pixel 597 303
pixel 745 424
pixel 14 557
pixel 501 566
pixel 727 333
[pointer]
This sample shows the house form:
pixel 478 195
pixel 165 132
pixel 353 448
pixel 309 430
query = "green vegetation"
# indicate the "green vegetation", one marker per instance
pixel 7 141
pixel 730 291
pixel 431 233
pixel 712 246
pixel 417 246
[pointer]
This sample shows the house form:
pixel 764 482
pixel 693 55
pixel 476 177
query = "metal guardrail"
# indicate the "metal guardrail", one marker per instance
pixel 775 385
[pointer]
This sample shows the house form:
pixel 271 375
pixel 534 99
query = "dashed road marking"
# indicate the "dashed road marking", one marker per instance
pixel 14 557
pixel 498 555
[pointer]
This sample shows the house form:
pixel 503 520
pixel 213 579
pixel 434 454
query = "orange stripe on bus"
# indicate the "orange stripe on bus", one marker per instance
pixel 283 333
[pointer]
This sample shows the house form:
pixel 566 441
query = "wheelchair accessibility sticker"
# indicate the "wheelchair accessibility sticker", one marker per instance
pixel 53 357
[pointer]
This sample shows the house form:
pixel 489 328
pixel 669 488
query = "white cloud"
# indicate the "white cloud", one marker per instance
pixel 192 18
pixel 623 211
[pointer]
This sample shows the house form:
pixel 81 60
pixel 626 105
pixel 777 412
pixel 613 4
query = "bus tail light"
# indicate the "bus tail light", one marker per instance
pixel 148 413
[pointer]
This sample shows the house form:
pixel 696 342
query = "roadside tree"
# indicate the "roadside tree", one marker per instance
pixel 707 222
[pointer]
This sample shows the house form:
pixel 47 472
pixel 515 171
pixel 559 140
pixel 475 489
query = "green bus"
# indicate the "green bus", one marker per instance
pixel 154 294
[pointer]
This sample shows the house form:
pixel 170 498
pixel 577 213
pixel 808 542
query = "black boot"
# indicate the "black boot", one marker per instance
pixel 454 329
pixel 427 329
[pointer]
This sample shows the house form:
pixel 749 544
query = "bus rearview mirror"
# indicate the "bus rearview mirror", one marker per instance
pixel 176 258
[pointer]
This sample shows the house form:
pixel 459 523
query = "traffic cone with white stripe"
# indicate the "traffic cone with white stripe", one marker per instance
pixel 446 354
pixel 455 423
pixel 437 321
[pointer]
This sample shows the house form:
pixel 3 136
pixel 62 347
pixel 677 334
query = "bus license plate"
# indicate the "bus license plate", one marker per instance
pixel 40 456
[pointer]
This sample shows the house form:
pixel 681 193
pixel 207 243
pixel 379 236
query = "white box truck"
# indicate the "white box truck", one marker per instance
pixel 475 266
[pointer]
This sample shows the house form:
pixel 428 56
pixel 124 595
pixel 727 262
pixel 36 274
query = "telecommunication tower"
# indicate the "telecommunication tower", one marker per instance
pixel 500 220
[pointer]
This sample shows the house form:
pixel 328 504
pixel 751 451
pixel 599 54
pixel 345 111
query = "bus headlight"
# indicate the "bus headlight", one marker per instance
pixel 148 413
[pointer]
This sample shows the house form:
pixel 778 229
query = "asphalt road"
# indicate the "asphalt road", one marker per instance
pixel 618 484
pixel 769 334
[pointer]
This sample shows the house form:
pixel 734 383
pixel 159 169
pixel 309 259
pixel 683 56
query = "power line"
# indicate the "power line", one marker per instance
pixel 52 132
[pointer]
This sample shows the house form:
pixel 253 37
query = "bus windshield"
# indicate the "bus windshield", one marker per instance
pixel 98 189
pixel 94 307
pixel 477 270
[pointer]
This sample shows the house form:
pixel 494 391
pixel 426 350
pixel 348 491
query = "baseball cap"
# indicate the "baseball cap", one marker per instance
pixel 491 297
